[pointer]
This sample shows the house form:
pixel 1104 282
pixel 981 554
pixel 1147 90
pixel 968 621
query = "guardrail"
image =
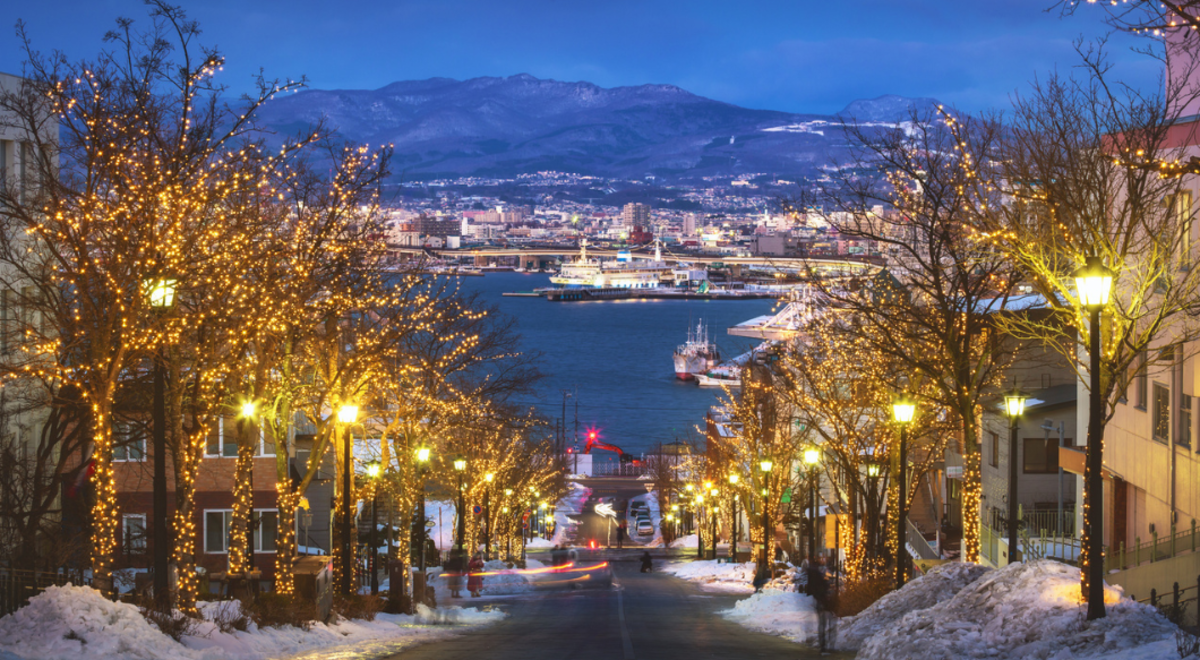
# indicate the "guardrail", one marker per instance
pixel 18 586
pixel 1156 549
pixel 918 547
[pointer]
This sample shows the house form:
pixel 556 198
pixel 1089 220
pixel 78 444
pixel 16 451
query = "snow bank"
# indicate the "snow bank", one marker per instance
pixel 689 541
pixel 68 623
pixel 941 583
pixel 1024 611
pixel 566 513
pixel 507 580
pixel 713 576
pixel 788 614
pixel 539 543
pixel 77 623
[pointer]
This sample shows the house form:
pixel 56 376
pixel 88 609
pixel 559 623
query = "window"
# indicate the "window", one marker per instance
pixel 133 533
pixel 222 440
pixel 1184 434
pixel 994 456
pixel 1041 455
pixel 1162 413
pixel 218 521
pixel 1181 214
pixel 128 443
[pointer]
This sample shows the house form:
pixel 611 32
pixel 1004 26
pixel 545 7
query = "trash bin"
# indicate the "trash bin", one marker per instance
pixel 314 583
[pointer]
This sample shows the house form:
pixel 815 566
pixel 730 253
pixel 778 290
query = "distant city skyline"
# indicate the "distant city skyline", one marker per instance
pixel 777 55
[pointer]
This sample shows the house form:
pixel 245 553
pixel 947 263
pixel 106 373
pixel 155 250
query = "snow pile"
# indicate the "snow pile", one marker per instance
pixel 506 580
pixel 689 541
pixel 71 622
pixel 788 614
pixel 566 513
pixel 1024 611
pixel 76 623
pixel 539 543
pixel 715 576
pixel 941 583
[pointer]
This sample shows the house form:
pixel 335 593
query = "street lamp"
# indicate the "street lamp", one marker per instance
pixel 248 413
pixel 903 410
pixel 422 455
pixel 736 512
pixel 1014 407
pixel 765 465
pixel 507 526
pixel 346 416
pixel 487 515
pixel 161 295
pixel 812 457
pixel 460 466
pixel 1093 284
pixel 374 469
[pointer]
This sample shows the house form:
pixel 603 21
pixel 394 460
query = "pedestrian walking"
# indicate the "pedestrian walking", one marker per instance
pixel 475 575
pixel 647 562
pixel 454 573
pixel 620 534
pixel 818 587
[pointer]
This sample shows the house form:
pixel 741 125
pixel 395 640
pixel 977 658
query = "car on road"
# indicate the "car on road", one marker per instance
pixel 644 527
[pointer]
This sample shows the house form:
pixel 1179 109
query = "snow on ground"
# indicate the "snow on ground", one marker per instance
pixel 538 543
pixel 689 541
pixel 786 613
pixel 506 580
pixel 939 584
pixel 77 623
pixel 713 576
pixel 571 504
pixel 1024 611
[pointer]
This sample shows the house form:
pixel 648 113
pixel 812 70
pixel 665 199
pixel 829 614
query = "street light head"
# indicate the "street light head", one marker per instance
pixel 689 488
pixel 733 478
pixel 812 456
pixel 460 463
pixel 248 409
pixel 873 470
pixel 373 469
pixel 1014 403
pixel 489 477
pixel 766 464
pixel 1093 283
pixel 903 409
pixel 348 413
pixel 161 293
pixel 508 492
pixel 708 485
pixel 699 500
pixel 422 454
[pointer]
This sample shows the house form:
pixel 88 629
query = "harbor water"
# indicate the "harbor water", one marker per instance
pixel 615 359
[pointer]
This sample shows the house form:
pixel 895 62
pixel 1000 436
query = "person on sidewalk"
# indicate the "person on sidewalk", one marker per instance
pixel 620 534
pixel 818 587
pixel 475 575
pixel 454 573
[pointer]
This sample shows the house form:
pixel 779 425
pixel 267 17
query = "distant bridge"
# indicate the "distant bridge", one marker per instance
pixel 534 257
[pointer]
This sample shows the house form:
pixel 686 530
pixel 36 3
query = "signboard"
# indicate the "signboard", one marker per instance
pixel 525 525
pixel 477 509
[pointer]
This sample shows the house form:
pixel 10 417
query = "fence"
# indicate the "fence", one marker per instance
pixel 617 470
pixel 18 586
pixel 917 545
pixel 1156 549
pixel 1175 606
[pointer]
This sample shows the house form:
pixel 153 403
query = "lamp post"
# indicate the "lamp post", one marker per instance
pixel 765 465
pixel 874 470
pixel 1014 407
pixel 812 457
pixel 161 293
pixel 460 466
pixel 487 516
pixel 699 530
pixel 248 412
pixel 422 455
pixel 1093 284
pixel 508 537
pixel 347 415
pixel 374 471
pixel 903 410
pixel 735 512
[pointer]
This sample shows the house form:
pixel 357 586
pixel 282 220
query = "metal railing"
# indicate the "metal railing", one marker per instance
pixel 1174 605
pixel 618 470
pixel 18 586
pixel 1176 542
pixel 918 547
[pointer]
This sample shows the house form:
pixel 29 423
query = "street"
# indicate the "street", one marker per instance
pixel 651 616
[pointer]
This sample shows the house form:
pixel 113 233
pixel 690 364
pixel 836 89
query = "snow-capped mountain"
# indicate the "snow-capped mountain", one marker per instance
pixel 507 126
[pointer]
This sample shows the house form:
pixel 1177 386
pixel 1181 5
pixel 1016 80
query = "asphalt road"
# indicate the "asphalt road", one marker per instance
pixel 648 616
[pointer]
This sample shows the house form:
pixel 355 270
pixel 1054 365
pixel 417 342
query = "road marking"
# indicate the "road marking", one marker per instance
pixel 625 641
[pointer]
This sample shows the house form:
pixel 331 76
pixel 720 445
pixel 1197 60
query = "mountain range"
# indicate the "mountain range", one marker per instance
pixel 501 127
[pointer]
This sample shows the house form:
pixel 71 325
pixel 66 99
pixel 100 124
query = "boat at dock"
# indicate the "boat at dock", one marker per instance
pixel 697 355
pixel 720 377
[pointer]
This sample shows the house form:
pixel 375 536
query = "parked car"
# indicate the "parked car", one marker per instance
pixel 644 527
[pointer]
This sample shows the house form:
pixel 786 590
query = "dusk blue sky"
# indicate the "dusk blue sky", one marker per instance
pixel 791 55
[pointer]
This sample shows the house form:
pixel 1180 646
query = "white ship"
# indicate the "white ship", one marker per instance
pixel 721 377
pixel 697 356
pixel 625 272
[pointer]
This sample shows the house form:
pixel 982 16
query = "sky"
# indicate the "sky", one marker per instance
pixel 788 55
